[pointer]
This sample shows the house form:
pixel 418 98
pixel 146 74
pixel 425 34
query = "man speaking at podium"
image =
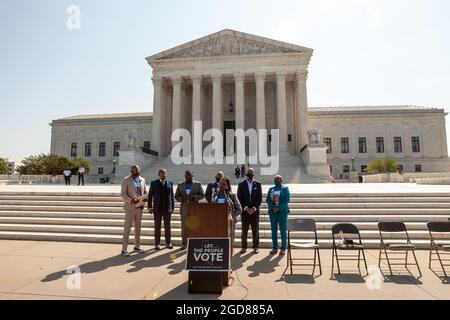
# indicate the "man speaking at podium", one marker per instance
pixel 187 192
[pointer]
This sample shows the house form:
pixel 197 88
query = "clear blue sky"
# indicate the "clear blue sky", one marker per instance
pixel 367 52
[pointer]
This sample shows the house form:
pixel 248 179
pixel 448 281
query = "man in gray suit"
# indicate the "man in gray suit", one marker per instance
pixel 187 192
pixel 133 192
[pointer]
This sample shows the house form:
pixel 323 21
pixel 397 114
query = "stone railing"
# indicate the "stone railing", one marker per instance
pixel 405 177
pixel 30 179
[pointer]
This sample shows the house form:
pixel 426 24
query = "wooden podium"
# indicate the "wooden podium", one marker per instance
pixel 207 220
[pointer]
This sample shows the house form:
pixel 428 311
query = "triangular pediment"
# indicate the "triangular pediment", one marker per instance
pixel 227 43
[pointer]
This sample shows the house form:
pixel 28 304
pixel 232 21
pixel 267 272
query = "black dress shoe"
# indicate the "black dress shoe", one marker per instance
pixel 243 250
pixel 157 247
pixel 169 246
pixel 255 250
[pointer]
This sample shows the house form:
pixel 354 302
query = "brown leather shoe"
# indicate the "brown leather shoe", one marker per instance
pixel 273 251
pixel 282 252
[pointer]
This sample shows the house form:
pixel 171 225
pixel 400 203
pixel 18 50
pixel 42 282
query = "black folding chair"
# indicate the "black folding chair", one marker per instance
pixel 350 241
pixel 437 246
pixel 304 226
pixel 397 247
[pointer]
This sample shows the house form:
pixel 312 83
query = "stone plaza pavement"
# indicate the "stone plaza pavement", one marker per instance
pixel 37 270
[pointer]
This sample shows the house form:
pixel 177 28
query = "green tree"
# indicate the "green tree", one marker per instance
pixel 50 163
pixel 383 165
pixel 4 169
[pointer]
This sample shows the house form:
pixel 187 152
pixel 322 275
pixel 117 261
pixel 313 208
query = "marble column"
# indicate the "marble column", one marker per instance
pixel 156 122
pixel 239 105
pixel 196 99
pixel 176 105
pixel 217 114
pixel 302 108
pixel 260 101
pixel 282 111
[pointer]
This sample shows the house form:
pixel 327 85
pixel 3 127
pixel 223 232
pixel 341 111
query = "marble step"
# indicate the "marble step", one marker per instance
pixel 292 205
pixel 301 211
pixel 149 240
pixel 264 217
pixel 176 231
pixel 116 201
pixel 321 225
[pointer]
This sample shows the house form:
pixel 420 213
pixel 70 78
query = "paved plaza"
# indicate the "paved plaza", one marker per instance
pixel 37 270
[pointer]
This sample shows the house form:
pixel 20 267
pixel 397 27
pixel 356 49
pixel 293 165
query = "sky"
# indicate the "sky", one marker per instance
pixel 366 52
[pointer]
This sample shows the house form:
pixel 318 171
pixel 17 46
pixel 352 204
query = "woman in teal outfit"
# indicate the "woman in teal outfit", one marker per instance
pixel 277 200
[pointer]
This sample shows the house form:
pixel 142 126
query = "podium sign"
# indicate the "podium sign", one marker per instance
pixel 208 254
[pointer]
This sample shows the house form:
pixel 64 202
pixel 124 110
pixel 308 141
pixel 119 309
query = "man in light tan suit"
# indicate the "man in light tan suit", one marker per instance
pixel 133 189
pixel 187 192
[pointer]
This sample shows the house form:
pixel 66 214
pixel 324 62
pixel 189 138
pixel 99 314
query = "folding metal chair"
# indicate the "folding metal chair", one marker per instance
pixel 350 241
pixel 437 247
pixel 304 226
pixel 396 247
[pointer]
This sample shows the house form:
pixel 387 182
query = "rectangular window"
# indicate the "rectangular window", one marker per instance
pixel 344 145
pixel 146 147
pixel 362 145
pixel 398 145
pixel 415 144
pixel 289 137
pixel 116 149
pixel 102 149
pixel 346 168
pixel 380 144
pixel 327 142
pixel 73 149
pixel 363 168
pixel 417 168
pixel 87 149
pixel 100 170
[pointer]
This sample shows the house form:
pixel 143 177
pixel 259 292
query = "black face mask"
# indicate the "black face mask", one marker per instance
pixel 250 176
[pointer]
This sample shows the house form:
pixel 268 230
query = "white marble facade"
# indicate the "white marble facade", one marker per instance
pixel 265 81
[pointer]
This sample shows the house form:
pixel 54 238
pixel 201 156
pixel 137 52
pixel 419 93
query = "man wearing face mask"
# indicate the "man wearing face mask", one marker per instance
pixel 213 187
pixel 133 193
pixel 187 192
pixel 161 204
pixel 277 200
pixel 250 196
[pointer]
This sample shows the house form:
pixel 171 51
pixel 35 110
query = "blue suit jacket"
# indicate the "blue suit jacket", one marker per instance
pixel 156 193
pixel 283 203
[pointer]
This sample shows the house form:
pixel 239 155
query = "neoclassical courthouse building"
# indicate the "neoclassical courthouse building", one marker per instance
pixel 232 80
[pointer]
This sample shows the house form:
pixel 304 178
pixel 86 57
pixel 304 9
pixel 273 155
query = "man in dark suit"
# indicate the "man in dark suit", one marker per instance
pixel 161 204
pixel 250 196
pixel 213 186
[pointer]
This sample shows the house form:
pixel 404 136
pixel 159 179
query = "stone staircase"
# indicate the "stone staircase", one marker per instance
pixel 290 167
pixel 93 217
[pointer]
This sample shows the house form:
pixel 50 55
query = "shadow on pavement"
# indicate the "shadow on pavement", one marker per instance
pixel 158 261
pixel 181 293
pixel 266 265
pixel 298 278
pixel 100 265
pixel 349 278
